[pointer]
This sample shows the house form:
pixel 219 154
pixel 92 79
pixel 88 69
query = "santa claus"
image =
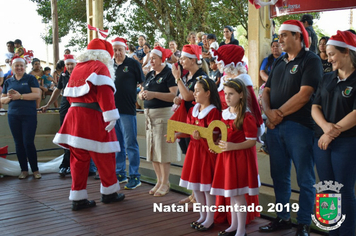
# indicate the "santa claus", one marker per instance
pixel 87 129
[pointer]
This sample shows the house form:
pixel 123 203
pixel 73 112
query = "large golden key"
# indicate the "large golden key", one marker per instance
pixel 207 133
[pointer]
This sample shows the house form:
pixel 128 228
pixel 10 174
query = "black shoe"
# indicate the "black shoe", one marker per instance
pixel 276 224
pixel 114 197
pixel 201 227
pixel 68 171
pixel 62 171
pixel 92 173
pixel 194 224
pixel 82 204
pixel 303 230
pixel 224 233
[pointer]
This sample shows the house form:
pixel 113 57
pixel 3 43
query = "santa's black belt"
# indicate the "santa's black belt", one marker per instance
pixel 94 105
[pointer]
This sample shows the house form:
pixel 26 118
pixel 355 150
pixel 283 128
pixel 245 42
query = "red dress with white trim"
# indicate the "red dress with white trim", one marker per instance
pixel 199 163
pixel 236 172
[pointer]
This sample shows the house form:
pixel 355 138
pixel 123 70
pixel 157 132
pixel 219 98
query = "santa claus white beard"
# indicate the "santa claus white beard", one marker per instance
pixel 100 55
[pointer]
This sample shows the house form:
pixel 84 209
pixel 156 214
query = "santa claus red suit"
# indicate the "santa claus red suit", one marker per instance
pixel 87 129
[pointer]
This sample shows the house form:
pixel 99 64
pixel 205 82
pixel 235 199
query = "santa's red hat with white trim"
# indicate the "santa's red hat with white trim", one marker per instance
pixel 119 41
pixel 17 59
pixel 68 58
pixel 296 26
pixel 229 54
pixel 100 45
pixel 192 51
pixel 162 52
pixel 344 39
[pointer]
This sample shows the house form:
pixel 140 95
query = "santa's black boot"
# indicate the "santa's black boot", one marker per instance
pixel 82 204
pixel 114 197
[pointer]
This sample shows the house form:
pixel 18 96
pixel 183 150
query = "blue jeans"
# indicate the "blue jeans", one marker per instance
pixel 126 132
pixel 338 163
pixel 92 167
pixel 23 129
pixel 291 141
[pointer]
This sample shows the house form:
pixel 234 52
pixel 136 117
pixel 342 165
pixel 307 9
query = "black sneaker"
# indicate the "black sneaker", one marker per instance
pixel 114 197
pixel 82 204
pixel 276 224
pixel 122 178
pixel 62 171
pixel 133 183
pixel 303 230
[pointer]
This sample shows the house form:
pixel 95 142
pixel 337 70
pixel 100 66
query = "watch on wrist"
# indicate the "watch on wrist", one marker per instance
pixel 21 97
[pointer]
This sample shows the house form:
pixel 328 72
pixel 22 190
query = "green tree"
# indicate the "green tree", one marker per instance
pixel 171 19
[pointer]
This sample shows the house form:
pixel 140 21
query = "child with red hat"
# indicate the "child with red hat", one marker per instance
pixel 88 127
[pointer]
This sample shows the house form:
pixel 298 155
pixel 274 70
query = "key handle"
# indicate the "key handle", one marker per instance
pixel 207 133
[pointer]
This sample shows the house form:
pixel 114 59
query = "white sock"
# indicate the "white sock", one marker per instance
pixel 241 216
pixel 210 200
pixel 200 198
pixel 233 225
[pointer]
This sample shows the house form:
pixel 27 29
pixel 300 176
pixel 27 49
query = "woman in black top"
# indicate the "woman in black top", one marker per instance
pixel 334 111
pixel 158 92
pixel 229 36
pixel 327 67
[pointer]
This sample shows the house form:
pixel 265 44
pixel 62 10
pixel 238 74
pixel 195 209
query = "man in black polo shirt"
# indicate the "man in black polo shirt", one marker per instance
pixel 128 74
pixel 286 101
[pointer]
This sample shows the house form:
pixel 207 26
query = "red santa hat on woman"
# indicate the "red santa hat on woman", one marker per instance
pixel 229 54
pixel 100 45
pixel 344 39
pixel 192 51
pixel 18 59
pixel 296 26
pixel 162 53
pixel 68 58
pixel 120 41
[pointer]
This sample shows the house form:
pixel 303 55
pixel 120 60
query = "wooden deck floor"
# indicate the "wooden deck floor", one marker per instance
pixel 41 207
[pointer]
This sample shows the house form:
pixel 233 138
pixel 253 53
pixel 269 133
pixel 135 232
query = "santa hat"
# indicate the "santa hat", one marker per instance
pixel 119 41
pixel 229 54
pixel 100 45
pixel 68 58
pixel 344 39
pixel 192 51
pixel 162 52
pixel 17 59
pixel 296 26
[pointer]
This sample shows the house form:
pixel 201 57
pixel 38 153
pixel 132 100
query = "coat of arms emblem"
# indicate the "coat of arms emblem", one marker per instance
pixel 328 206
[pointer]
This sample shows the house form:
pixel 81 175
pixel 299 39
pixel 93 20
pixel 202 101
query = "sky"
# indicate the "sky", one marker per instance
pixel 19 20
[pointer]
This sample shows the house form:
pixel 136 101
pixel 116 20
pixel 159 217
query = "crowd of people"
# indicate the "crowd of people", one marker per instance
pixel 307 102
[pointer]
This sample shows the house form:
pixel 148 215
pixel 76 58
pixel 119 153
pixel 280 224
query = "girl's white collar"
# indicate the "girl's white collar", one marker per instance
pixel 202 113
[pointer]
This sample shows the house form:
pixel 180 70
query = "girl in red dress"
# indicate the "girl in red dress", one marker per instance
pixel 199 164
pixel 236 171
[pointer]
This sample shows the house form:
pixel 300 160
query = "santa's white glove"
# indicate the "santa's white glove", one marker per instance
pixel 110 126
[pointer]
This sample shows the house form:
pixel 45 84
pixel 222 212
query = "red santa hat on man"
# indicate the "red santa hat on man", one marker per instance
pixel 68 58
pixel 344 39
pixel 100 45
pixel 192 51
pixel 119 41
pixel 229 54
pixel 296 26
pixel 162 53
pixel 18 59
